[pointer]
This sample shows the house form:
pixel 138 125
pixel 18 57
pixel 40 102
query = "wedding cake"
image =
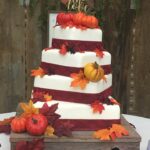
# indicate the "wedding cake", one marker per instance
pixel 77 75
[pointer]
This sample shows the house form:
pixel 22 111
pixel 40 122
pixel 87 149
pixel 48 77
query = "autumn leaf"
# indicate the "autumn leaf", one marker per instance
pixel 47 97
pixel 38 72
pixel 114 101
pixel 63 49
pixel 6 121
pixel 49 131
pixel 63 128
pixel 97 107
pixel 79 80
pixel 99 53
pixel 118 130
pixel 50 113
pixel 103 134
pixel 28 109
pixel 37 96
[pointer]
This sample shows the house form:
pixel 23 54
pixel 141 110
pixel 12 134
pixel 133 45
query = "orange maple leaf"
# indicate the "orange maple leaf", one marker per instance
pixel 49 131
pixel 6 121
pixel 114 101
pixel 103 134
pixel 28 109
pixel 79 80
pixel 118 130
pixel 47 97
pixel 99 53
pixel 38 72
pixel 97 107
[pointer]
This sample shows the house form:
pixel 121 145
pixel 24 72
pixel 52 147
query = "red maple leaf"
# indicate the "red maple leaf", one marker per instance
pixel 49 112
pixel 99 53
pixel 97 107
pixel 38 96
pixel 63 49
pixel 63 128
pixel 5 129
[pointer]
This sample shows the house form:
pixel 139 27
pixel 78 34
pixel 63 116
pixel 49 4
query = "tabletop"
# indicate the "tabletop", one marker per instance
pixel 141 124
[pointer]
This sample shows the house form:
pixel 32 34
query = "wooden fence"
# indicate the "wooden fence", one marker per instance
pixel 125 36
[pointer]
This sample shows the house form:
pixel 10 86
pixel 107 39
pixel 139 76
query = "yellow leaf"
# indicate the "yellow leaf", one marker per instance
pixel 47 97
pixel 49 131
pixel 29 109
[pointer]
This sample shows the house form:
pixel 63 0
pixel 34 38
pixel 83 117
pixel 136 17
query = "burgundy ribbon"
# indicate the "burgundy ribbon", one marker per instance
pixel 66 70
pixel 67 96
pixel 77 45
pixel 90 125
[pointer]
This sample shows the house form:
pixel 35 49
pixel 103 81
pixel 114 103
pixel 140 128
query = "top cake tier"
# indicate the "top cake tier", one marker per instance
pixel 77 39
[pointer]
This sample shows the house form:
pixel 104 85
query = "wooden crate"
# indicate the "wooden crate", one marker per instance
pixel 84 141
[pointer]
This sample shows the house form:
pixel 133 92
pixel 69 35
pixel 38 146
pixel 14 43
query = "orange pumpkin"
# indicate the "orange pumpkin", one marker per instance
pixel 93 72
pixel 91 22
pixel 77 19
pixel 18 124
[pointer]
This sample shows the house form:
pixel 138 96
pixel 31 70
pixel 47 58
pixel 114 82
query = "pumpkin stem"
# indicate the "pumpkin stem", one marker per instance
pixel 34 121
pixel 96 65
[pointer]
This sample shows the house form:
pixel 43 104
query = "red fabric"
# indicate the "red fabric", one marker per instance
pixel 78 46
pixel 85 98
pixel 66 70
pixel 90 125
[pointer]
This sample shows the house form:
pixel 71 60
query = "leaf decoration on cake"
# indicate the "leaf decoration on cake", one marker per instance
pixel 99 53
pixel 6 121
pixel 47 97
pixel 28 109
pixel 38 96
pixel 49 131
pixel 116 131
pixel 97 107
pixel 63 129
pixel 113 101
pixel 38 72
pixel 63 49
pixel 36 144
pixel 103 134
pixel 79 80
pixel 50 113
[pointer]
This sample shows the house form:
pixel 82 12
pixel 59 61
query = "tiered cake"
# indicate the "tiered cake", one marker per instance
pixel 72 49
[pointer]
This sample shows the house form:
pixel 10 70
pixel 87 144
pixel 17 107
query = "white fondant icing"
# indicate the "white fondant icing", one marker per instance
pixel 58 82
pixel 77 34
pixel 69 110
pixel 77 60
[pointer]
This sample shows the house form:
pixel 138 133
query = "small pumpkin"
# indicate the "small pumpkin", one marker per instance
pixel 59 18
pixel 18 124
pixel 93 72
pixel 90 21
pixel 36 124
pixel 77 19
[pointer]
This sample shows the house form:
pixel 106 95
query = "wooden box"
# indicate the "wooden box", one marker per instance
pixel 84 141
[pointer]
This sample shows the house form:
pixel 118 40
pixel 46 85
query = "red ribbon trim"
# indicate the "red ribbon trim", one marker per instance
pixel 66 70
pixel 78 46
pixel 90 125
pixel 85 98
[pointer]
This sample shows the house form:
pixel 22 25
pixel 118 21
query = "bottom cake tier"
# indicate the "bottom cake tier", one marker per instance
pixel 82 116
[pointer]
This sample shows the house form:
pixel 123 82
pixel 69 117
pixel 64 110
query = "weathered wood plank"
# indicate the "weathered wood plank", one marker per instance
pixel 11 57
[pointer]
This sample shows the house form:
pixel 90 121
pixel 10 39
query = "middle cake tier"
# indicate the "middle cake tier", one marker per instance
pixel 60 88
